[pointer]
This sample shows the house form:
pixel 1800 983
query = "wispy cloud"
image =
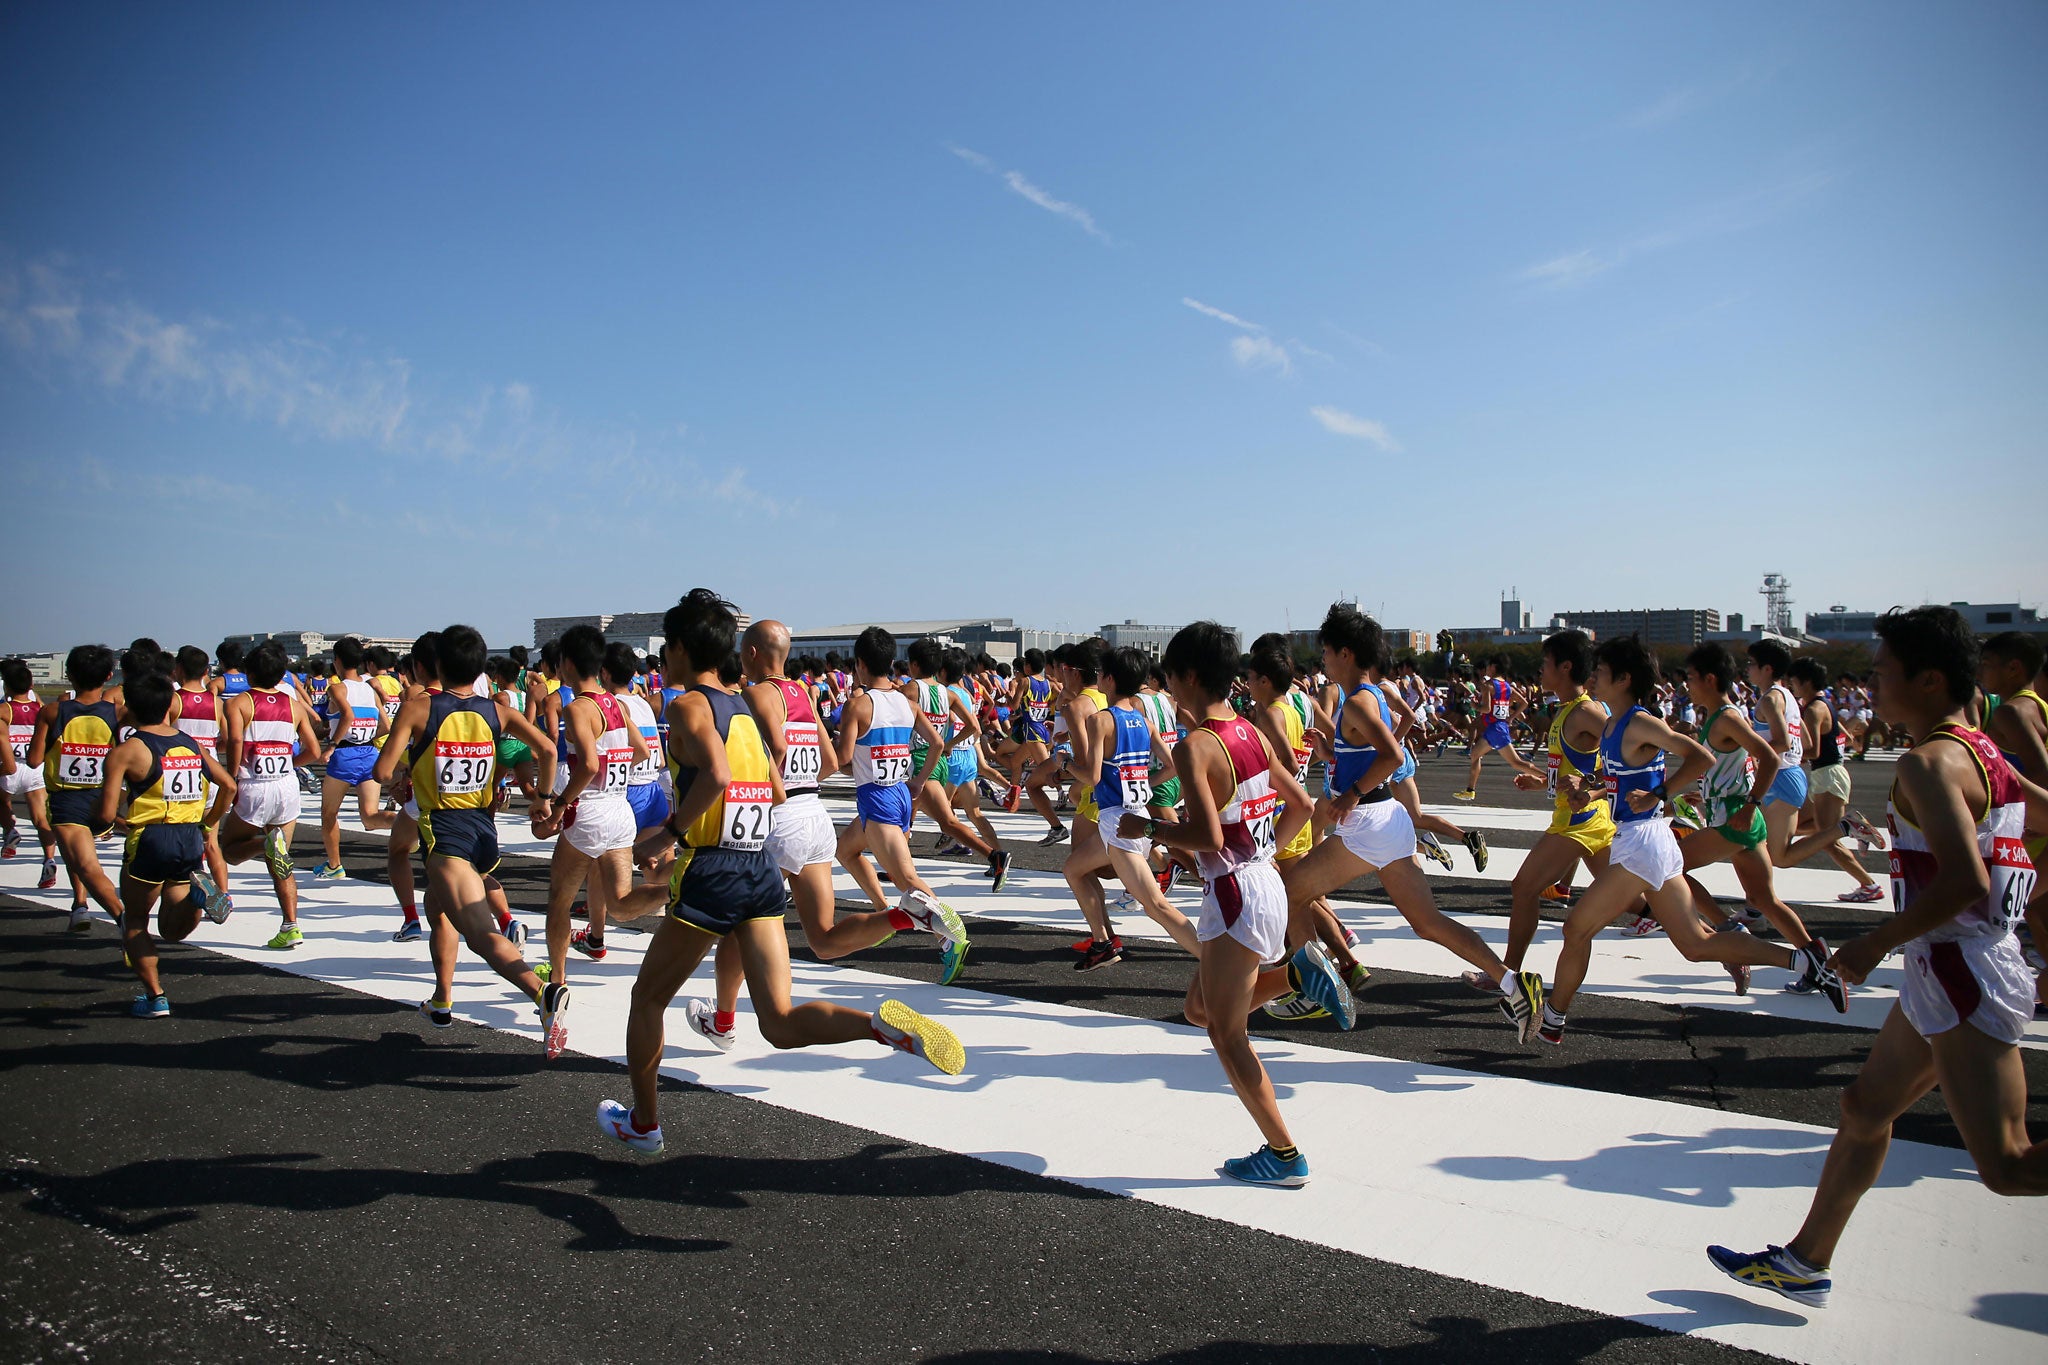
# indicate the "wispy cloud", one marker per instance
pixel 1024 187
pixel 1261 353
pixel 1676 104
pixel 1257 350
pixel 1233 319
pixel 1343 423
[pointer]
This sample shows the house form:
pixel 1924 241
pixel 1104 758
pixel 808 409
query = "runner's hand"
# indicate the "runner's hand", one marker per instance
pixel 1528 782
pixel 1857 959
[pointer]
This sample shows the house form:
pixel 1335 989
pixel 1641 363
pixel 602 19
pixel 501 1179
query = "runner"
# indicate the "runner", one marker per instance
pixel 1777 715
pixel 166 773
pixel 18 776
pixel 1960 878
pixel 962 774
pixel 1644 859
pixel 196 709
pixel 355 719
pixel 725 885
pixel 269 736
pixel 1827 788
pixel 1031 715
pixel 72 740
pixel 508 676
pixel 954 722
pixel 876 729
pixel 1499 704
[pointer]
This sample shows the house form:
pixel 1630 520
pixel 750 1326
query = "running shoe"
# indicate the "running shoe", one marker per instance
pixel 1295 1005
pixel 439 1013
pixel 1100 954
pixel 1818 976
pixel 952 959
pixel 81 920
pixel 49 877
pixel 1863 895
pixel 1642 926
pixel 1858 826
pixel 554 1025
pixel 309 785
pixel 1013 798
pixel 1165 877
pixel 214 903
pixel 1475 840
pixel 412 931
pixel 933 916
pixel 1320 983
pixel 1469 794
pixel 1523 1008
pixel 10 845
pixel 1263 1168
pixel 515 934
pixel 581 942
pixel 909 1031
pixel 1551 1029
pixel 705 1021
pixel 1777 1270
pixel 277 854
pixel 1125 903
pixel 1687 814
pixel 998 869
pixel 150 1006
pixel 287 937
pixel 952 848
pixel 1556 893
pixel 328 872
pixel 1355 977
pixel 1056 835
pixel 1426 844
pixel 615 1121
pixel 545 971
pixel 580 910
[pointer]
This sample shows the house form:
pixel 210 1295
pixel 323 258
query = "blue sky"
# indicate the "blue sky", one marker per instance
pixel 374 317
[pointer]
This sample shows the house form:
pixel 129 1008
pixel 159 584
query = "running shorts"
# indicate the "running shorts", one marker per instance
pixel 69 806
pixel 1789 788
pixel 884 805
pixel 1984 982
pixel 1833 780
pixel 23 780
pixel 1302 844
pixel 1380 832
pixel 1106 818
pixel 1250 905
pixel 1085 807
pixel 801 834
pixel 596 826
pixel 1031 731
pixel 268 805
pixel 718 889
pixel 512 752
pixel 650 805
pixel 1648 849
pixel 160 855
pixel 961 766
pixel 1496 734
pixel 1752 837
pixel 1591 829
pixel 1166 795
pixel 1407 768
pixel 471 835
pixel 351 763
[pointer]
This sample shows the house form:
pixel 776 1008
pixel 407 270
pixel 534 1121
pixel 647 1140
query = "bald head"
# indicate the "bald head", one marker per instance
pixel 764 649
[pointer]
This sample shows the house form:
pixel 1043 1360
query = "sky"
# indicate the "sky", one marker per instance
pixel 378 317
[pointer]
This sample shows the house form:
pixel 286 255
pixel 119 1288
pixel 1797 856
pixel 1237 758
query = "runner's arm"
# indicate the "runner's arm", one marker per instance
pixel 515 724
pixel 129 759
pixel 693 735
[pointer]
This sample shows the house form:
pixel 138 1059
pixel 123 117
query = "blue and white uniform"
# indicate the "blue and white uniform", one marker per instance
pixel 1379 829
pixel 1125 780
pixel 1789 787
pixel 646 785
pixel 881 761
pixel 353 710
pixel 962 765
pixel 1643 842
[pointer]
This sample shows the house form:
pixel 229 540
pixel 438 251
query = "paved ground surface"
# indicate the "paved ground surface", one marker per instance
pixel 291 1168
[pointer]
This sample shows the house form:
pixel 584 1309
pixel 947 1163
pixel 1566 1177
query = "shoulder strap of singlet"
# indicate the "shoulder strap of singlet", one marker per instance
pixel 1951 731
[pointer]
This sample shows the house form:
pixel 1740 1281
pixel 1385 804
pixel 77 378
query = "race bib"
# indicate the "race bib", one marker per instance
pixel 891 763
pixel 1137 785
pixel 650 771
pixel 802 760
pixel 184 778
pixel 82 765
pixel 464 767
pixel 267 760
pixel 616 770
pixel 1259 813
pixel 1301 761
pixel 747 808
pixel 2012 884
pixel 1550 782
pixel 20 750
pixel 361 729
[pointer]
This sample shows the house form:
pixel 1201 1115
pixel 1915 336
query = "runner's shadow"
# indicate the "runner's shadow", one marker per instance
pixel 1449 1338
pixel 312 1061
pixel 1700 1308
pixel 2026 1312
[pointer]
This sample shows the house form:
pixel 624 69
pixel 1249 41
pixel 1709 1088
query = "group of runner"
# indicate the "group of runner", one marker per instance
pixel 689 786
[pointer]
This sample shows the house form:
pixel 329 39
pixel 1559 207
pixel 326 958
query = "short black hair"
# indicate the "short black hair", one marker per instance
pixel 702 625
pixel 1269 660
pixel 267 664
pixel 1085 658
pixel 1126 668
pixel 1625 656
pixel 583 650
pixel 229 654
pixel 1771 655
pixel 15 676
pixel 1572 651
pixel 459 655
pixel 381 657
pixel 426 658
pixel 1346 627
pixel 517 654
pixel 620 664
pixel 1034 661
pixel 504 670
pixel 149 698
pixel 88 666
pixel 1810 671
pixel 927 654
pixel 1712 660
pixel 1208 652
pixel 875 651
pixel 348 652
pixel 1936 639
pixel 2017 647
pixel 729 671
pixel 551 654
pixel 954 665
pixel 193 663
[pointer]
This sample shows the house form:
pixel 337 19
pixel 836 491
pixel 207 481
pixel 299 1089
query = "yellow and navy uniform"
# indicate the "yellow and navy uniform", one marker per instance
pixel 2036 844
pixel 723 873
pixel 75 765
pixel 166 805
pixel 1085 807
pixel 390 692
pixel 1592 826
pixel 454 767
pixel 1298 753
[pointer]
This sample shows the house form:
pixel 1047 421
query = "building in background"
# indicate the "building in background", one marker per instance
pixel 1840 625
pixel 999 637
pixel 1152 639
pixel 640 629
pixel 1653 626
pixel 311 644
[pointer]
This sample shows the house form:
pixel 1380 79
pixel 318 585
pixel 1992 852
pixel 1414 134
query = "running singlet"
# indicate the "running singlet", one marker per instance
pixel 79 743
pixel 268 738
pixel 881 756
pixel 1038 700
pixel 354 720
pixel 739 818
pixel 454 761
pixel 21 726
pixel 233 683
pixel 1999 833
pixel 1160 707
pixel 1296 718
pixel 1126 777
pixel 2024 694
pixel 1623 777
pixel 802 759
pixel 173 789
pixel 1827 748
pixel 1248 817
pixel 1794 731
pixel 199 717
pixel 614 749
pixel 1353 760
pixel 931 699
pixel 1726 786
pixel 1584 762
pixel 1500 700
pixel 641 716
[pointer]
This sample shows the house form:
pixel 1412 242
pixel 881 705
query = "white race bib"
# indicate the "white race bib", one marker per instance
pixel 1259 812
pixel 184 778
pixel 747 808
pixel 464 767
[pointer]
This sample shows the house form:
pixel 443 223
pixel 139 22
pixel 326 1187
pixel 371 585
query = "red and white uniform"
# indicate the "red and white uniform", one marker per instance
pixel 1970 970
pixel 267 788
pixel 21 728
pixel 801 833
pixel 1242 894
pixel 199 717
pixel 602 819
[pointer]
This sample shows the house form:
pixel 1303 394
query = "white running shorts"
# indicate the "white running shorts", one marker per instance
pixel 1648 849
pixel 1106 821
pixel 268 805
pixel 1379 832
pixel 802 834
pixel 22 781
pixel 1980 981
pixel 601 824
pixel 1251 907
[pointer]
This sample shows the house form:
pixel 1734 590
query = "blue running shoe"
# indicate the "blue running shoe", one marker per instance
pixel 151 1007
pixel 413 932
pixel 1263 1168
pixel 328 872
pixel 1320 983
pixel 1777 1270
pixel 952 957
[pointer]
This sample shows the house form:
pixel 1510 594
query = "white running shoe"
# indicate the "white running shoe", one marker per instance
pixel 704 1022
pixel 934 916
pixel 615 1121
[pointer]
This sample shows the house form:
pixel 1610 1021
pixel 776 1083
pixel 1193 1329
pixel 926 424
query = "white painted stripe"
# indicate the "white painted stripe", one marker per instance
pixel 1595 1200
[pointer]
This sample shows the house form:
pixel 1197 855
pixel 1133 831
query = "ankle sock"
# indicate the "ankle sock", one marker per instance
pixel 723 1020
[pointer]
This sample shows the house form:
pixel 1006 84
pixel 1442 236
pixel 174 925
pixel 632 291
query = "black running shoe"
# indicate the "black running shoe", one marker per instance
pixel 1056 835
pixel 1100 954
pixel 1476 842
pixel 998 869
